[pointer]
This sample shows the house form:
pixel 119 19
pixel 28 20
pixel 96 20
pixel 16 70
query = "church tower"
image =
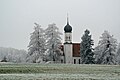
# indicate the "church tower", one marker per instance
pixel 68 43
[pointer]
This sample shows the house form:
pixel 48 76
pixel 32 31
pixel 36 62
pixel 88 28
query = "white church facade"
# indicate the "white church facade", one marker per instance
pixel 71 51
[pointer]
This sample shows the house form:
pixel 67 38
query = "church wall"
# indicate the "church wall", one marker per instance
pixel 76 60
pixel 68 53
pixel 68 37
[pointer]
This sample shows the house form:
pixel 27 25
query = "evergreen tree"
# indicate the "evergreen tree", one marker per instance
pixel 36 45
pixel 4 59
pixel 86 50
pixel 53 42
pixel 118 54
pixel 106 50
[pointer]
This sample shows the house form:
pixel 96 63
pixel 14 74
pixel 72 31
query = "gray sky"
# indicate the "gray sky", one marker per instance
pixel 17 18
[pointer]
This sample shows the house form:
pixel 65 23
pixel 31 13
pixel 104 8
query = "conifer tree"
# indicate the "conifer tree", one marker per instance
pixel 36 45
pixel 86 50
pixel 53 37
pixel 118 54
pixel 105 52
pixel 4 59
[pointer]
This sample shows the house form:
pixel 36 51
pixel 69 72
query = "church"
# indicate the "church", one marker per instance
pixel 71 51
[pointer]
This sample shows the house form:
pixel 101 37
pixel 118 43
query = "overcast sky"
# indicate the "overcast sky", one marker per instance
pixel 17 18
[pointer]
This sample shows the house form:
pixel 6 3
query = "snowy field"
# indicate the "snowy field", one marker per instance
pixel 11 71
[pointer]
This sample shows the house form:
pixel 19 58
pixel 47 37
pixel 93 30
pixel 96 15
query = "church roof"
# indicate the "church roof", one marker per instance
pixel 76 49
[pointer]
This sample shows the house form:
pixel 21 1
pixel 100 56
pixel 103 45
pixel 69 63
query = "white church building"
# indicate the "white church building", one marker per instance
pixel 71 51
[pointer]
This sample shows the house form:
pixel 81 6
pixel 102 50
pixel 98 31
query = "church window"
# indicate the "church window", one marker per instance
pixel 66 38
pixel 69 37
pixel 61 60
pixel 79 61
pixel 74 61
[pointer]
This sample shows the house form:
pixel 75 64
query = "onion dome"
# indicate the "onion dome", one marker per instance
pixel 68 28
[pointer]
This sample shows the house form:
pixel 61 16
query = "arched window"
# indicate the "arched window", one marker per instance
pixel 79 61
pixel 74 61
pixel 61 60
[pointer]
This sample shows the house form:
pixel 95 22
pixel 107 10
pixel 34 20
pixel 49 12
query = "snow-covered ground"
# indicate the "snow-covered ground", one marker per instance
pixel 60 72
pixel 71 76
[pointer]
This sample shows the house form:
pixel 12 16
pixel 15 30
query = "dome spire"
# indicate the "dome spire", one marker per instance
pixel 68 28
pixel 67 19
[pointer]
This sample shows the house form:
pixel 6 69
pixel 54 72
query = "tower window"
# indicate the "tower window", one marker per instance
pixel 69 37
pixel 74 61
pixel 66 38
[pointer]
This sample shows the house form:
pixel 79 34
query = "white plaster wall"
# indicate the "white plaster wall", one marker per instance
pixel 77 59
pixel 68 53
pixel 67 39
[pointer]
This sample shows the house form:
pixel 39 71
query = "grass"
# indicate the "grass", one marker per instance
pixel 59 72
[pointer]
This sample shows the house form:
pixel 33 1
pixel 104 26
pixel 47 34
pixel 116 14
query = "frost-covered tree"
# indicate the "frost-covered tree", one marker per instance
pixel 86 50
pixel 13 55
pixel 106 50
pixel 118 54
pixel 4 59
pixel 36 45
pixel 53 37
